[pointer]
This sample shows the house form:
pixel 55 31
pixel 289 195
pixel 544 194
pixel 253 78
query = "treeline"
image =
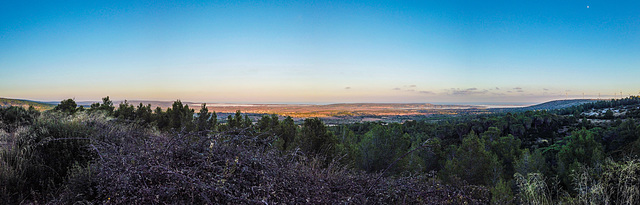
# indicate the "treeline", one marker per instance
pixel 533 157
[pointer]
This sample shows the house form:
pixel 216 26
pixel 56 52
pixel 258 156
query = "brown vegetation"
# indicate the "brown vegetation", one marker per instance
pixel 138 165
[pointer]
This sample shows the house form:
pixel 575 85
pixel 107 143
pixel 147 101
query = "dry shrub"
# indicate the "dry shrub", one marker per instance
pixel 131 164
pixel 177 169
pixel 622 182
pixel 141 166
pixel 533 189
pixel 589 189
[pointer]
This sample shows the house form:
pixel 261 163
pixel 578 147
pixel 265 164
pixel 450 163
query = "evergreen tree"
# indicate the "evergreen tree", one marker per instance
pixel 316 139
pixel 381 146
pixel 67 106
pixel 246 122
pixel 203 118
pixel 144 114
pixel 107 106
pixel 180 116
pixel 125 111
pixel 473 162
pixel 161 118
pixel 264 124
pixel 288 132
pixel 213 121
pixel 579 149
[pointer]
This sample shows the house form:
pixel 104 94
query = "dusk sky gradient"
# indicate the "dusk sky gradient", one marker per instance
pixel 319 51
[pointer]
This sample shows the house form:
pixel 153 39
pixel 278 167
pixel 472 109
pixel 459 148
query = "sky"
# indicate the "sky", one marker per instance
pixel 320 51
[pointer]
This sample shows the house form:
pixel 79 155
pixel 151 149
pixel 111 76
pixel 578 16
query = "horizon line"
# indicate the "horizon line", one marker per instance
pixel 470 103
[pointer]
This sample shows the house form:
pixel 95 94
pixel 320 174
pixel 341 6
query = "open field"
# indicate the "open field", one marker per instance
pixel 342 110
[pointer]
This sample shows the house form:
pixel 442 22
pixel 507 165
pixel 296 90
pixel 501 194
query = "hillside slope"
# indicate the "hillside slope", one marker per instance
pixel 551 105
pixel 6 102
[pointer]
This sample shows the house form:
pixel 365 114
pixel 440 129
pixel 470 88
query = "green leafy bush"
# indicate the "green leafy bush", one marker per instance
pixel 473 162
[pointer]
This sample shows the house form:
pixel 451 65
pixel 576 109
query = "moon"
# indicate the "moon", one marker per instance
pixel 587 6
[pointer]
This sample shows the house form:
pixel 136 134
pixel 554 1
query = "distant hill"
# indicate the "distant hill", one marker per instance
pixel 6 102
pixel 560 104
pixel 551 105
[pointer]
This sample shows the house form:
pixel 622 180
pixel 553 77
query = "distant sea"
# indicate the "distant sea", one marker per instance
pixel 490 104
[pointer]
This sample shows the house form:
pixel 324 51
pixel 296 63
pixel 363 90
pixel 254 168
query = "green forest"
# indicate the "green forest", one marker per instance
pixel 134 154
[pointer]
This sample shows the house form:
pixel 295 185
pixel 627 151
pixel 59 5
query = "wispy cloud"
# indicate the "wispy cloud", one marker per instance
pixel 347 88
pixel 468 91
pixel 518 89
pixel 412 89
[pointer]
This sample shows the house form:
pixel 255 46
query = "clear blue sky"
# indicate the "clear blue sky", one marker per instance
pixel 319 51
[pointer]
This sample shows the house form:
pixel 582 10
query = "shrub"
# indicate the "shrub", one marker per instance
pixel 67 106
pixel 13 117
pixel 533 189
pixel 580 149
pixel 381 147
pixel 501 193
pixel 40 159
pixel 316 139
pixel 622 181
pixel 473 163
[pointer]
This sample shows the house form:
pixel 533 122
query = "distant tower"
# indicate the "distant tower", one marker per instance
pixel 582 95
pixel 598 96
pixel 566 95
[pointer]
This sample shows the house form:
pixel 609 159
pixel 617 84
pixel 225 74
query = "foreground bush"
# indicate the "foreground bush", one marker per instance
pixel 38 160
pixel 619 184
pixel 91 159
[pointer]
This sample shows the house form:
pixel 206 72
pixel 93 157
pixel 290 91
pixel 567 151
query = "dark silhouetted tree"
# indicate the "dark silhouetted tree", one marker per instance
pixel 202 121
pixel 107 105
pixel 382 146
pixel 180 116
pixel 68 106
pixel 246 122
pixel 316 139
pixel 473 162
pixel 579 149
pixel 213 121
pixel 161 118
pixel 288 132
pixel 608 114
pixel 125 111
pixel 144 114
